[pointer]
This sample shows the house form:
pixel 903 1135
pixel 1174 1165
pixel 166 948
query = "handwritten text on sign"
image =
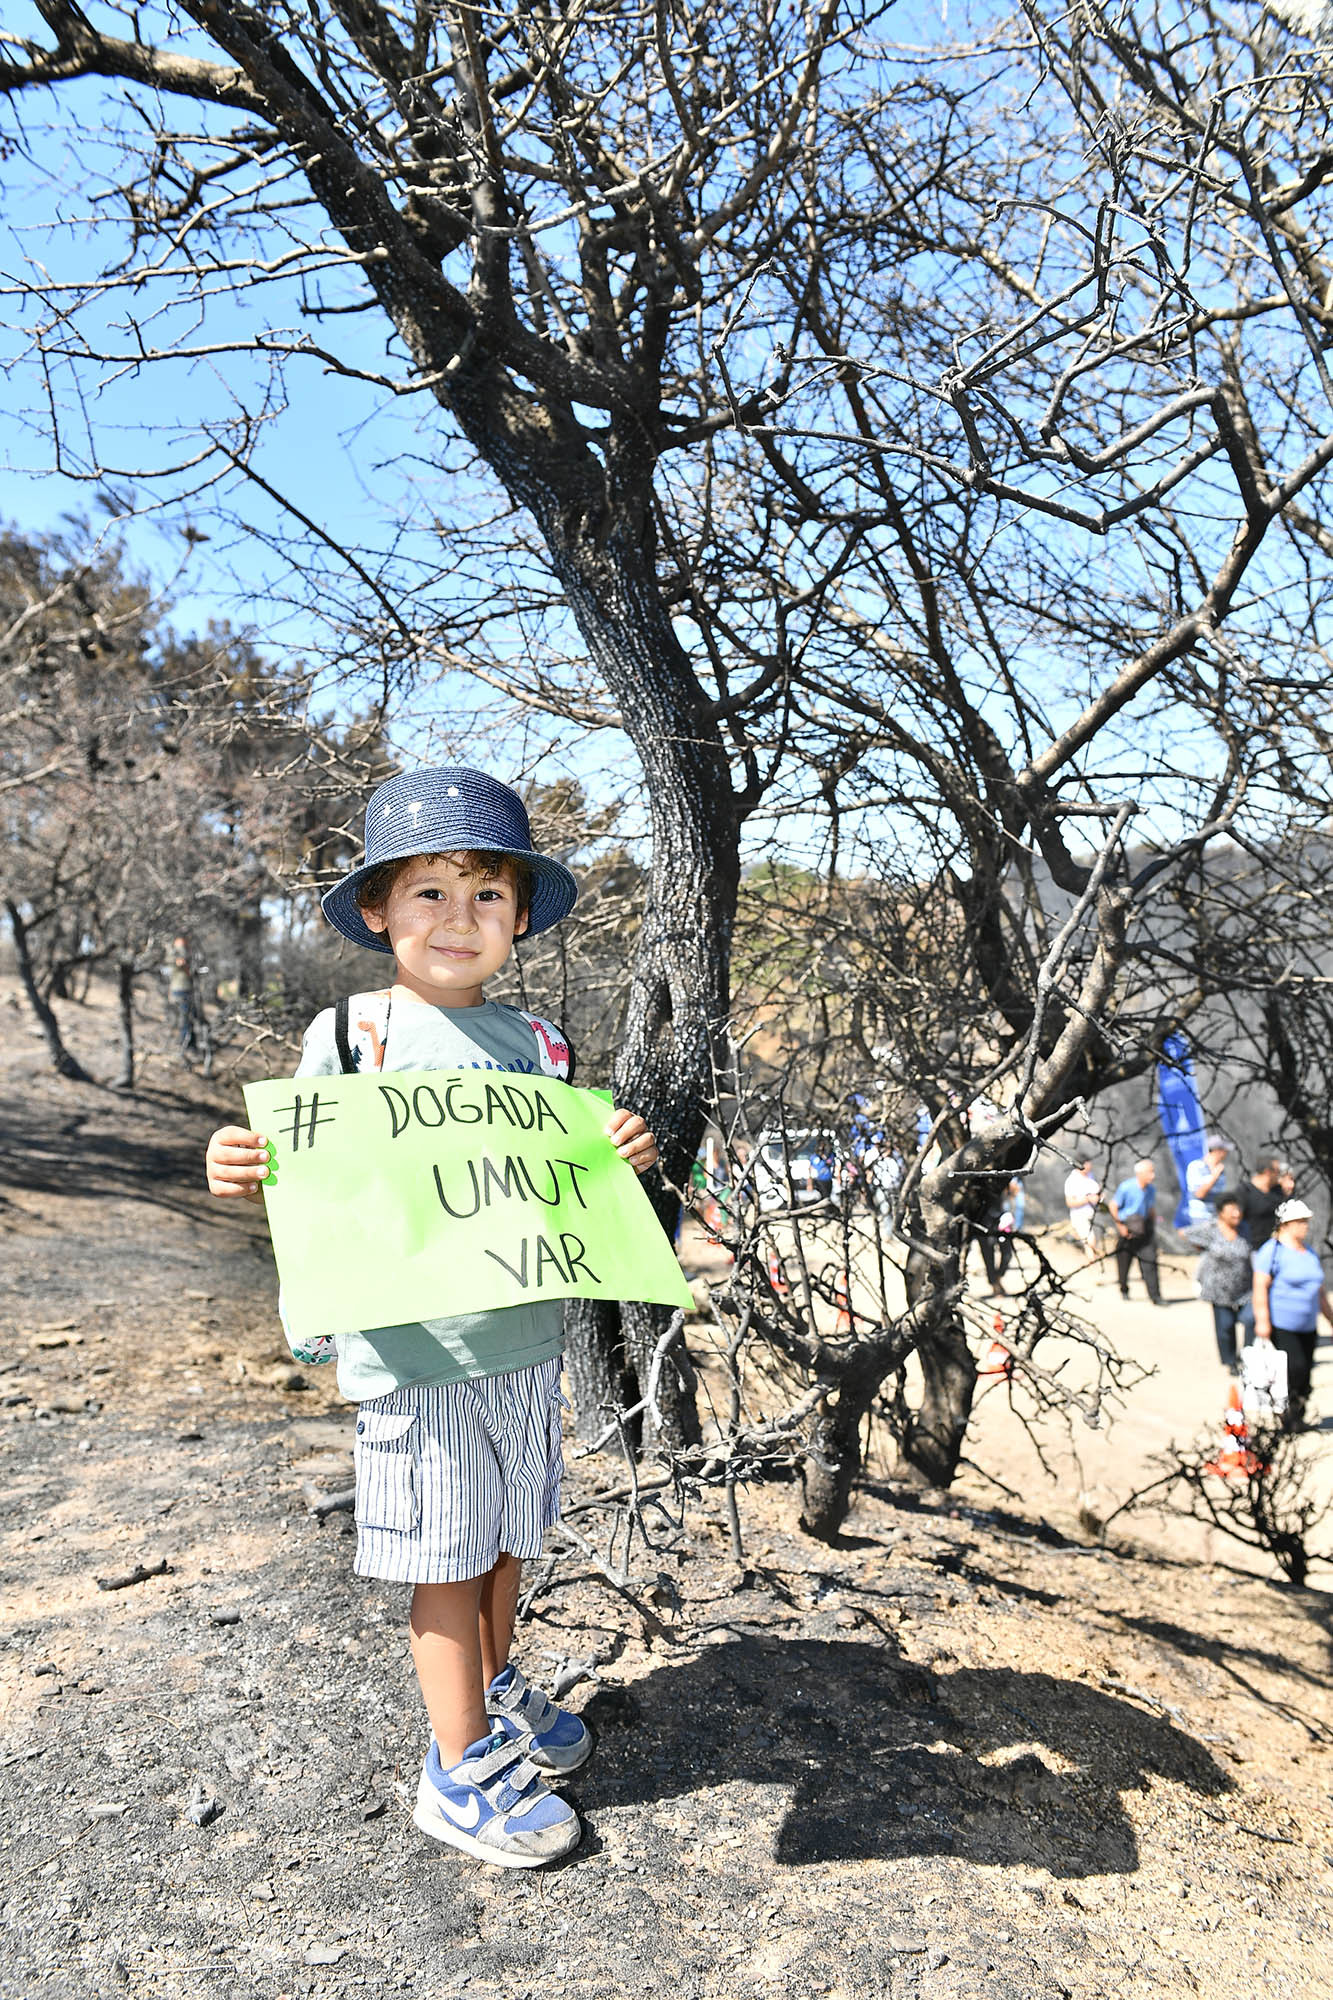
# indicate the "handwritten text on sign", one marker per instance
pixel 427 1194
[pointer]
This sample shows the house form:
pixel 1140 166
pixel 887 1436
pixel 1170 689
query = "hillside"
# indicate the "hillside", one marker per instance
pixel 962 1755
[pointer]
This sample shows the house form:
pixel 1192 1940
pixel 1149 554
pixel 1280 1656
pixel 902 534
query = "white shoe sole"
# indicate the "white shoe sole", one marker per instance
pixel 549 1771
pixel 440 1828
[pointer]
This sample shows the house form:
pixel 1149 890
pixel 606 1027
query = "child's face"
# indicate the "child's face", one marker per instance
pixel 451 929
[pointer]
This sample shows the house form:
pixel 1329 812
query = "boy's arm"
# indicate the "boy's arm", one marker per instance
pixel 237 1160
pixel 633 1140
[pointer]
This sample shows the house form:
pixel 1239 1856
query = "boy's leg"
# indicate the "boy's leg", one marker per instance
pixel 479 1789
pixel 461 1636
pixel 447 1654
pixel 498 1610
pixel 558 1742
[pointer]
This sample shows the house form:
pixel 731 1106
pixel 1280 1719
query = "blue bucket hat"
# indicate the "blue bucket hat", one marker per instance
pixel 447 811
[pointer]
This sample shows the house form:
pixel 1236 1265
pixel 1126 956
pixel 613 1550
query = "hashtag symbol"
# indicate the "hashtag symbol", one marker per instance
pixel 304 1118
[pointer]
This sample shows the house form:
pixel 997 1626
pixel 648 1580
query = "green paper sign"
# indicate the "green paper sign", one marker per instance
pixel 425 1193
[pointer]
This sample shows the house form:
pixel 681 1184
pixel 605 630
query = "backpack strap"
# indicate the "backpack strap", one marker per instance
pixel 341 1040
pixel 555 1057
pixel 360 1028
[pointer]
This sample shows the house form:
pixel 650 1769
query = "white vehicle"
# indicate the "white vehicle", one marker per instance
pixel 798 1180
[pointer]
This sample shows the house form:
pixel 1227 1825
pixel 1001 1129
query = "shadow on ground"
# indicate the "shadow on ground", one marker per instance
pixel 89 1141
pixel 880 1760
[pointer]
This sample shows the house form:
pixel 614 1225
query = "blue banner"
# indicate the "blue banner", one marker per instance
pixel 1181 1114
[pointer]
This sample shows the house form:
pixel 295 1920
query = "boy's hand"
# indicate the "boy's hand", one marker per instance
pixel 633 1140
pixel 236 1161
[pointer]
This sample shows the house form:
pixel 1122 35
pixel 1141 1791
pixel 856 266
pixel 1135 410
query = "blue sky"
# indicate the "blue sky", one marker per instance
pixel 357 460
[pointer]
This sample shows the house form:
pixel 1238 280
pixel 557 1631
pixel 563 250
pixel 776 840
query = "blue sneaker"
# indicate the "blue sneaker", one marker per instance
pixel 495 1805
pixel 556 1741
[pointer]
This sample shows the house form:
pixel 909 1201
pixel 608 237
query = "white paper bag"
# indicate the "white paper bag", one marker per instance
pixel 1263 1379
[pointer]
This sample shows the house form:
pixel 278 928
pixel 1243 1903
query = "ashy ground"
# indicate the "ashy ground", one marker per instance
pixel 963 1755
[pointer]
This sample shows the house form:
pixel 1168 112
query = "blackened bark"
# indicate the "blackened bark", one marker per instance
pixel 679 993
pixel 833 1462
pixel 125 1007
pixel 1286 1075
pixel 601 544
pixel 930 1439
pixel 595 1363
pixel 932 1444
pixel 62 1061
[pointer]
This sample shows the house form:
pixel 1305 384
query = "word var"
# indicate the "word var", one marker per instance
pixel 564 1274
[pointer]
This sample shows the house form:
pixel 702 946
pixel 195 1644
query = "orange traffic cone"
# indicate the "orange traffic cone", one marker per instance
pixel 842 1294
pixel 1235 1460
pixel 776 1277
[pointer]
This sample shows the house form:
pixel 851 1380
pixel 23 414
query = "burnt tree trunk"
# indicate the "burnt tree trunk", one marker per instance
pixel 679 992
pixel 125 1010
pixel 931 1437
pixel 62 1061
pixel 832 1463
pixel 599 1379
pixel 932 1443
pixel 597 521
pixel 249 934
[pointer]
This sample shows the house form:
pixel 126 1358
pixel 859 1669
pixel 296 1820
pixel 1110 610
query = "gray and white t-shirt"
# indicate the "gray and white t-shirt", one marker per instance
pixel 379 1359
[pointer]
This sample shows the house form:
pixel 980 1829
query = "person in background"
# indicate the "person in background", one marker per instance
pixel 1289 1295
pixel 1225 1278
pixel 1261 1196
pixel 1083 1192
pixel 1205 1180
pixel 180 996
pixel 1133 1209
pixel 821 1171
pixel 1011 1221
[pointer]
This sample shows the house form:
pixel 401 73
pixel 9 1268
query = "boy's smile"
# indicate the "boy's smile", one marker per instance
pixel 451 929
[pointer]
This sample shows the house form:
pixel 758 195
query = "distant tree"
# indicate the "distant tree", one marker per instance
pixel 139 788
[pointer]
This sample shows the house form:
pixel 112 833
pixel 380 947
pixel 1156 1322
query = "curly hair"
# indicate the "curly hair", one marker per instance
pixel 374 891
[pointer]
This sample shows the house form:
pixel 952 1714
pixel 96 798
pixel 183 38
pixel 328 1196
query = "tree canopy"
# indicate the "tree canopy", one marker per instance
pixel 912 445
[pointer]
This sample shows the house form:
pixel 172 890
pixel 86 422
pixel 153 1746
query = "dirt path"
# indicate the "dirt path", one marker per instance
pixel 958 1757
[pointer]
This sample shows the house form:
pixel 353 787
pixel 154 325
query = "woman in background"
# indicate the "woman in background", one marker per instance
pixel 1225 1278
pixel 1289 1295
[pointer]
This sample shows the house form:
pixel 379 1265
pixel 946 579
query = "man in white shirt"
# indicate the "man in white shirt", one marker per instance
pixel 1206 1179
pixel 1082 1194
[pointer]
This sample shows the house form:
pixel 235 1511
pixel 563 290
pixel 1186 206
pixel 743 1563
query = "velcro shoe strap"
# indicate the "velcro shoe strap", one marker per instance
pixel 522 1775
pixel 500 1762
pixel 536 1710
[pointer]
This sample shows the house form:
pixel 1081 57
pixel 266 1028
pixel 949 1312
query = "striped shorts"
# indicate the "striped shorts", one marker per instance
pixel 452 1475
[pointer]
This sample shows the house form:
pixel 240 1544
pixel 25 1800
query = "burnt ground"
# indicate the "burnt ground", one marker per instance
pixel 959 1756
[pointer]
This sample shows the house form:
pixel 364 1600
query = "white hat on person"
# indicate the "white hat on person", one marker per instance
pixel 1292 1211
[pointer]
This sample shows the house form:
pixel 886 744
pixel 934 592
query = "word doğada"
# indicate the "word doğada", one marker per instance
pixel 457 1101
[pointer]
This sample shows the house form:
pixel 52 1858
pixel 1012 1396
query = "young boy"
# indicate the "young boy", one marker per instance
pixel 458 1424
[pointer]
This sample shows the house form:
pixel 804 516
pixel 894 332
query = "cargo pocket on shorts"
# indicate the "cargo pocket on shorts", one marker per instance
pixel 388 1491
